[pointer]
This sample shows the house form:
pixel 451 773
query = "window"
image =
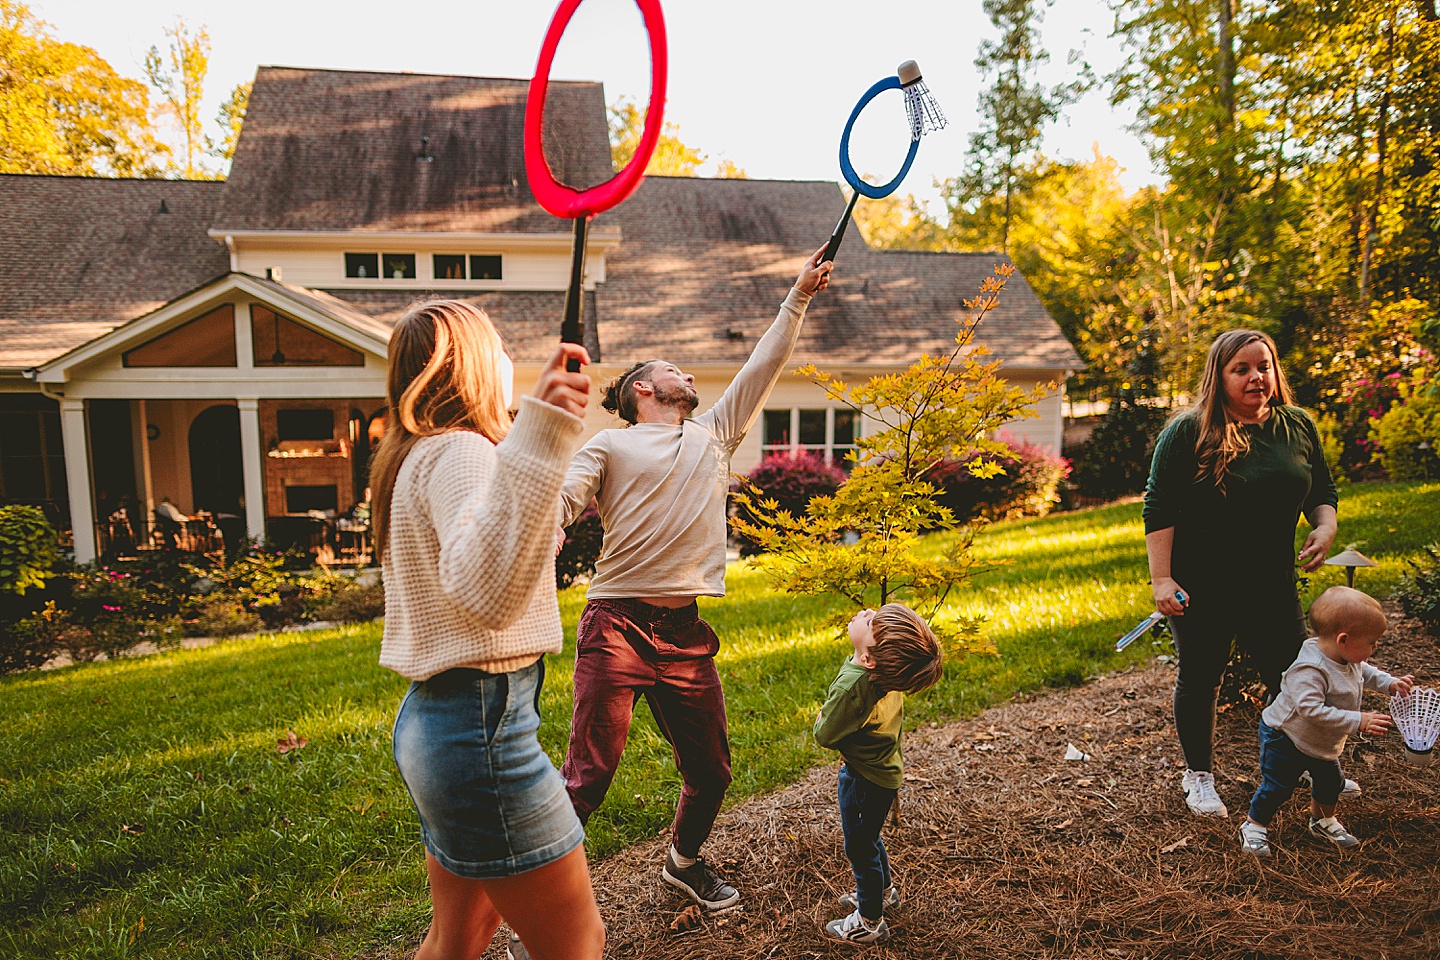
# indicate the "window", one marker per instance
pixel 281 342
pixel 826 432
pixel 485 267
pixel 399 266
pixel 206 341
pixel 32 455
pixel 449 266
pixel 363 266
pixel 305 425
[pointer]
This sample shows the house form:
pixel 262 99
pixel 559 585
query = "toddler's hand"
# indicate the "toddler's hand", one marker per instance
pixel 1402 685
pixel 1375 724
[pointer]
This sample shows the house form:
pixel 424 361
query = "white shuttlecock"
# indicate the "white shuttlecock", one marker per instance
pixel 1417 717
pixel 921 109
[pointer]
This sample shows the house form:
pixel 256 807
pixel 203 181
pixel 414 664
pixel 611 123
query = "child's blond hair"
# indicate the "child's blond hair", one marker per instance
pixel 907 656
pixel 1346 610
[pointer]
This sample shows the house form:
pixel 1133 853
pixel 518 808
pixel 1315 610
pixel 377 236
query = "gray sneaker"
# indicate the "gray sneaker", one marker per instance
pixel 1254 839
pixel 854 929
pixel 1332 829
pixel 1349 790
pixel 851 900
pixel 700 882
pixel 515 950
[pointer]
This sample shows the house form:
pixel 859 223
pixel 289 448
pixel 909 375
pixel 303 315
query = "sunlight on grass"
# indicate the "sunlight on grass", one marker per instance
pixel 145 811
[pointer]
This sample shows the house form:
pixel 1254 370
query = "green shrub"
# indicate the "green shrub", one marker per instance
pixel 577 557
pixel 1419 593
pixel 222 615
pixel 1115 461
pixel 1332 445
pixel 110 635
pixel 1407 436
pixel 29 548
pixel 350 601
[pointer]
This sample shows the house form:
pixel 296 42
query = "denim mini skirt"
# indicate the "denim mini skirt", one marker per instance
pixel 491 803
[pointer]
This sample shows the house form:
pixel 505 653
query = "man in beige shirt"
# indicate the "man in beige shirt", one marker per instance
pixel 661 486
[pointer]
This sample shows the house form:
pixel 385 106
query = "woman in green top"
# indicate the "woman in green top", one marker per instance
pixel 1228 483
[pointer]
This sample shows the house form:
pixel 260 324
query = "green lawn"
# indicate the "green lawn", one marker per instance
pixel 144 810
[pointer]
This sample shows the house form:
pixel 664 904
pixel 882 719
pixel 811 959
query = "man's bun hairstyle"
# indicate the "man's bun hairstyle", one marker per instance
pixel 620 392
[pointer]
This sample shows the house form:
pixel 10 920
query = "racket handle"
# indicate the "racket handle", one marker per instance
pixel 834 245
pixel 572 327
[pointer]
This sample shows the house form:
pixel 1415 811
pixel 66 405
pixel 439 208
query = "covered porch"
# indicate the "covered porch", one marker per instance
pixel 244 410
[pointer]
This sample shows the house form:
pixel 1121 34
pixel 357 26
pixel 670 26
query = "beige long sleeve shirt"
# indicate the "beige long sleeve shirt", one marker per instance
pixel 470 565
pixel 661 487
pixel 1318 706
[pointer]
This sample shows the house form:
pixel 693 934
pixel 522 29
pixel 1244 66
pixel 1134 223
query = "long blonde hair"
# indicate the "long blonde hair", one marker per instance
pixel 444 374
pixel 1220 439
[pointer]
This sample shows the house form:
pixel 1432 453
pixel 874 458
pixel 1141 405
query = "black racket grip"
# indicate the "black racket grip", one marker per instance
pixel 833 246
pixel 573 365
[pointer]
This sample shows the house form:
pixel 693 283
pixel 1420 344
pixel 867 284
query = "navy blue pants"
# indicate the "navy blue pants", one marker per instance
pixel 1281 764
pixel 863 808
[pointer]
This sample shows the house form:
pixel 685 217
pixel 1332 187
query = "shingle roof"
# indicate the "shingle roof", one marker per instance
pixel 704 264
pixel 81 255
pixel 342 150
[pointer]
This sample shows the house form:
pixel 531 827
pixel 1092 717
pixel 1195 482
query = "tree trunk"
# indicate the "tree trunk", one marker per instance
pixel 1381 121
pixel 1427 10
pixel 1225 40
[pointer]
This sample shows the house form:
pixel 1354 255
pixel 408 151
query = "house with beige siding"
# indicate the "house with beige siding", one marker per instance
pixel 206 359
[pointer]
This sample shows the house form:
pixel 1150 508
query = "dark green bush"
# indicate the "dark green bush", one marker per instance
pixel 221 615
pixel 1115 461
pixel 582 548
pixel 1419 592
pixel 350 601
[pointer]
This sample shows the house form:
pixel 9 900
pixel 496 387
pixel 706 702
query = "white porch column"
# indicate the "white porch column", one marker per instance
pixel 254 477
pixel 77 477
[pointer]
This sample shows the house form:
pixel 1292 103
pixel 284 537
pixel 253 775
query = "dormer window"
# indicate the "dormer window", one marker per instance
pixel 485 266
pixel 449 266
pixel 362 266
pixel 482 266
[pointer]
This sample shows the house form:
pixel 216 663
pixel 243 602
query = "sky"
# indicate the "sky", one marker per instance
pixel 765 84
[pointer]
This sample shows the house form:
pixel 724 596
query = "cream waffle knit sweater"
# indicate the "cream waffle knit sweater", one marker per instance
pixel 470 565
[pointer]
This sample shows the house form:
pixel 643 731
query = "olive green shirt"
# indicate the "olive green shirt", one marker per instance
pixel 1243 535
pixel 863 723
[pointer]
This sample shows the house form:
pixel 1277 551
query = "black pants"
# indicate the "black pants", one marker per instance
pixel 1270 628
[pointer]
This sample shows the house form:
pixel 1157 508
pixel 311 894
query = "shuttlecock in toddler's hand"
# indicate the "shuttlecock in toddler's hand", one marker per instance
pixel 921 109
pixel 1417 717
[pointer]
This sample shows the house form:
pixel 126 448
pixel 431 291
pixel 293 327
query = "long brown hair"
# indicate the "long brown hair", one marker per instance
pixel 1220 439
pixel 444 374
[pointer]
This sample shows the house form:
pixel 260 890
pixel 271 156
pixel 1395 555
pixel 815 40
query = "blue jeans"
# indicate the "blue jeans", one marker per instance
pixel 491 803
pixel 1281 764
pixel 863 807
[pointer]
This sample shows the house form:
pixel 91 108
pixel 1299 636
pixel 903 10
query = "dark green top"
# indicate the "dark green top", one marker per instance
pixel 1245 536
pixel 863 723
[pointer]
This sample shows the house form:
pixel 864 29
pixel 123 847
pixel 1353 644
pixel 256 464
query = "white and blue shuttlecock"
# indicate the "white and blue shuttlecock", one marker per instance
pixel 921 108
pixel 1417 717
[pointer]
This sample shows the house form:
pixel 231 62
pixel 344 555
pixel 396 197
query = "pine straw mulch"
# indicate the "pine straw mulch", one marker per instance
pixel 1004 849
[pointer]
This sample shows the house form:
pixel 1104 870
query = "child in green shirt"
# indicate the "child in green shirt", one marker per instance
pixel 895 653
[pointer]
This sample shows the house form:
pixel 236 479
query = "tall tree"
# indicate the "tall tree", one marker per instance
pixel 672 157
pixel 899 223
pixel 179 77
pixel 230 118
pixel 63 110
pixel 1013 109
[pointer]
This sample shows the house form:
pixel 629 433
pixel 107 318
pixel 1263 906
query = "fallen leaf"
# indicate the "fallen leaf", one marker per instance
pixel 289 742
pixel 1177 845
pixel 686 920
pixel 135 828
pixel 1062 824
pixel 1084 781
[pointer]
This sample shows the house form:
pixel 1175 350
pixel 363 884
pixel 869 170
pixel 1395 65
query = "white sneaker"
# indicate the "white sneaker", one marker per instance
pixel 851 900
pixel 1254 839
pixel 1200 795
pixel 854 929
pixel 1334 831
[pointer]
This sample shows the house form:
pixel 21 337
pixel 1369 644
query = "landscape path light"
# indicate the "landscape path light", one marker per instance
pixel 1350 559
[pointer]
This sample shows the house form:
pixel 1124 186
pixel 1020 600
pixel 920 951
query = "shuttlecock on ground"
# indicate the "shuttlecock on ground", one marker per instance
pixel 1417 717
pixel 921 109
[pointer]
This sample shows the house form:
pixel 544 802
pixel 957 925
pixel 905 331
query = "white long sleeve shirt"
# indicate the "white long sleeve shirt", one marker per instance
pixel 661 488
pixel 1318 706
pixel 470 565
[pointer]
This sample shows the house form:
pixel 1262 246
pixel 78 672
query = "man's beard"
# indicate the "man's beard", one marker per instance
pixel 682 397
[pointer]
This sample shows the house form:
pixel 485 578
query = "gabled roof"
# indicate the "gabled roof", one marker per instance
pixel 345 150
pixel 81 255
pixel 705 263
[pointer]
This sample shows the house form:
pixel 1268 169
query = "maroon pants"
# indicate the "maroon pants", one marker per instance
pixel 627 649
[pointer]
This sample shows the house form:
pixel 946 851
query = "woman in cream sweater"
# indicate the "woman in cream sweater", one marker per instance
pixel 466 505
